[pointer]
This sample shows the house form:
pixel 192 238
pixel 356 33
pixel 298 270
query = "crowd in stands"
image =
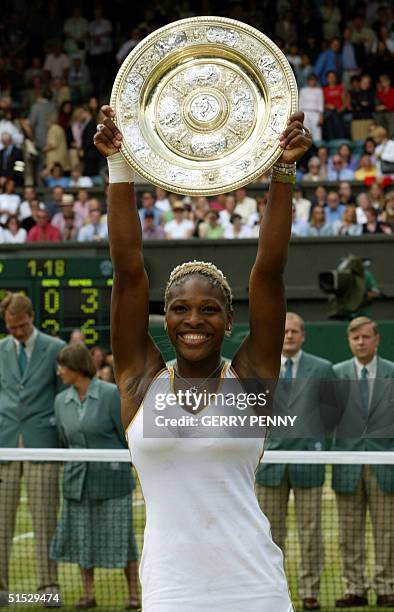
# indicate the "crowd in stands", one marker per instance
pixel 57 67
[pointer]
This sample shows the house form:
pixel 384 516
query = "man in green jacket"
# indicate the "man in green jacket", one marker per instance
pixel 305 390
pixel 28 385
pixel 366 392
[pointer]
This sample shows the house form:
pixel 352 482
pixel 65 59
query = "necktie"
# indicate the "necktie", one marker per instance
pixel 288 373
pixel 22 358
pixel 364 391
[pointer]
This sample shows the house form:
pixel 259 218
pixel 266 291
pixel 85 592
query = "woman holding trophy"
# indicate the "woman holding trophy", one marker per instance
pixel 207 545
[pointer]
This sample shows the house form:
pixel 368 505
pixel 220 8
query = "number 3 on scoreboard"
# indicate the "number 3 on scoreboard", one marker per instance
pixel 90 332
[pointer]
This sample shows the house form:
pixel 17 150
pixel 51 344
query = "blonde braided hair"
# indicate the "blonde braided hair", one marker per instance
pixel 199 268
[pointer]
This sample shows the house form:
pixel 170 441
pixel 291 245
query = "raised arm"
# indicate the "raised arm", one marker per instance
pixel 136 357
pixel 259 354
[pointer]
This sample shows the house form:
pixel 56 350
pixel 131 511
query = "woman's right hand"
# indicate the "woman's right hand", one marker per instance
pixel 107 139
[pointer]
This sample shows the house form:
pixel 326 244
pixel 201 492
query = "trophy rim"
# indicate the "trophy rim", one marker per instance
pixel 137 52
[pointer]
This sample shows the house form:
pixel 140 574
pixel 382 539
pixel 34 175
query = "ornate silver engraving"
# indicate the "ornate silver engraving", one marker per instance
pixel 137 141
pixel 242 105
pixel 169 112
pixel 270 69
pixel 207 75
pixel 132 89
pixel 223 36
pixel 206 145
pixel 168 44
pixel 204 108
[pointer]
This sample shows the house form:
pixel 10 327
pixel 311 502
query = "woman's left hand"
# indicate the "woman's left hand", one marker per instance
pixel 295 140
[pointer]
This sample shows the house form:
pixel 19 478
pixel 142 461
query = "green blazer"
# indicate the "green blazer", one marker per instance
pixel 26 402
pixel 311 398
pixel 355 433
pixel 94 424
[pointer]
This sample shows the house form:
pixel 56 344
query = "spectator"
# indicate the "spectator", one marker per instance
pixel 314 174
pixel 28 386
pixel 77 180
pixel 302 205
pixel 77 336
pixel 381 62
pixel 333 126
pixel 345 193
pixel 322 154
pixel 14 233
pixel 385 105
pixel 350 58
pixel 162 202
pixel 362 205
pixel 100 49
pixel 318 226
pixel 350 160
pixel 339 172
pixel 386 37
pixel 148 203
pixel 151 231
pixel 384 149
pixel 35 70
pixel 99 357
pixel 59 219
pixel 373 226
pixel 79 79
pixel 126 47
pixel 331 17
pixel 362 106
pixel 60 91
pixel 294 57
pixel 369 148
pixel 9 201
pixel 306 398
pixel 334 209
pixel 43 231
pixel 11 161
pixel 57 63
pixel 245 205
pixel 376 196
pixel 237 229
pixel 70 230
pixel 366 168
pixel 29 194
pixel 90 156
pixel 8 125
pixel 319 197
pixel 179 228
pixel 312 103
pixel 329 60
pixel 358 488
pixel 31 220
pixel 200 208
pixel 304 71
pixel 76 32
pixel 89 411
pixel 106 373
pixel 95 229
pixel 211 228
pixel 229 207
pixel 38 118
pixel 55 203
pixel 55 149
pixel 81 206
pixel 348 226
pixel 362 34
pixel 53 176
pixel 387 215
pixel 299 227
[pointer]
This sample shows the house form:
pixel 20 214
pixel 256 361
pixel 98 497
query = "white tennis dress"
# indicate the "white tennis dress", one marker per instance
pixel 207 545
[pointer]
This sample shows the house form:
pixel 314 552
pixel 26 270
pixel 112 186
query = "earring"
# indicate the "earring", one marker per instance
pixel 165 326
pixel 228 332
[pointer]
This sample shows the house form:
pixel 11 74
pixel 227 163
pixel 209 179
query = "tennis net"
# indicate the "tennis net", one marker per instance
pixel 44 515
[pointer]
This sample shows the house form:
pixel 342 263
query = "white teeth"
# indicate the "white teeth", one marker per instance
pixel 194 337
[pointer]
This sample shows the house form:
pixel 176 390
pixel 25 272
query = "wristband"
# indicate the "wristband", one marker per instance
pixel 284 173
pixel 119 170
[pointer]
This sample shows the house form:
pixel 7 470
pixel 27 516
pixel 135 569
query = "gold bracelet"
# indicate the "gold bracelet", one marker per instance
pixel 284 173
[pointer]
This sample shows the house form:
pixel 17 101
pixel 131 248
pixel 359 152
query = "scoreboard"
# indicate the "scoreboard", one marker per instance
pixel 67 293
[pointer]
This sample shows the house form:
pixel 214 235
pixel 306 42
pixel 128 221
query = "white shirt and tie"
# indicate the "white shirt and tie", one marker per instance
pixel 28 345
pixel 367 372
pixel 290 365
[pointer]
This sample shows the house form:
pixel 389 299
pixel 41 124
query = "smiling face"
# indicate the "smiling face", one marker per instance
pixel 197 319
